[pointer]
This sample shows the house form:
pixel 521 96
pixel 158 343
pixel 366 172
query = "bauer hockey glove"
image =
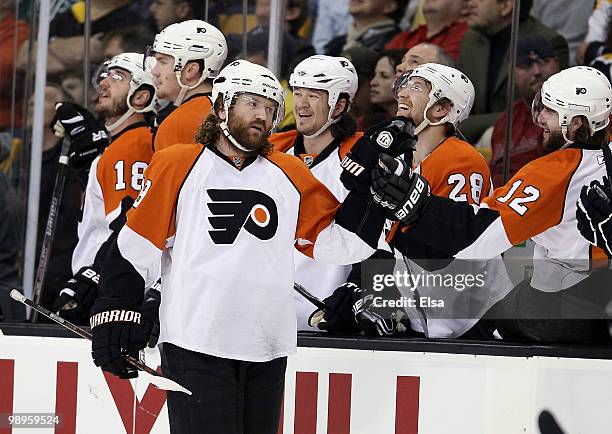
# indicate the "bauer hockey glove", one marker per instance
pixel 594 215
pixel 87 137
pixel 78 295
pixel 339 317
pixel 150 314
pixel 116 330
pixel 402 193
pixel 394 137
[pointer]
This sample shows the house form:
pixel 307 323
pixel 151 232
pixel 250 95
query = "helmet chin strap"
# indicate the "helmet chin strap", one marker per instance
pixel 326 125
pixel 226 132
pixel 122 119
pixel 567 141
pixel 184 88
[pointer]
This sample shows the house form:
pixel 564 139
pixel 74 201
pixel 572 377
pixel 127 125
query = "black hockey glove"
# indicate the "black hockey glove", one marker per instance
pixel 339 318
pixel 594 215
pixel 394 137
pixel 78 295
pixel 88 137
pixel 402 193
pixel 116 330
pixel 150 314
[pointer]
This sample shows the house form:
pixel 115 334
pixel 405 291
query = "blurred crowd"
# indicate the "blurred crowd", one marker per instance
pixel 383 39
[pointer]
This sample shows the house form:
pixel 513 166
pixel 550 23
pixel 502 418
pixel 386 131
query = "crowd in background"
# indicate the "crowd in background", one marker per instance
pixel 383 39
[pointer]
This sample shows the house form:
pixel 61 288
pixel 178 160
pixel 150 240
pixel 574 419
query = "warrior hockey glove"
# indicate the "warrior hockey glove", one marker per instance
pixel 339 317
pixel 594 215
pixel 87 137
pixel 394 137
pixel 78 295
pixel 150 314
pixel 116 330
pixel 402 193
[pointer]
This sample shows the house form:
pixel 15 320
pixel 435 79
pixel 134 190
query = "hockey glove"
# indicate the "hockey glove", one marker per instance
pixel 87 137
pixel 339 317
pixel 78 295
pixel 394 137
pixel 402 193
pixel 116 330
pixel 150 314
pixel 594 215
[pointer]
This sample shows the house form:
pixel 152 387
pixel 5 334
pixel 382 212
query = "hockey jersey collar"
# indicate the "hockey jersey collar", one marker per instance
pixel 298 149
pixel 197 95
pixel 245 162
pixel 128 128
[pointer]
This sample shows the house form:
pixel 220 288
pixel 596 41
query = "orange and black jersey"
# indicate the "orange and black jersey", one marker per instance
pixel 115 175
pixel 182 124
pixel 539 202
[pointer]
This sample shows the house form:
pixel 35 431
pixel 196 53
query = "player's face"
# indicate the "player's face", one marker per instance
pixel 552 137
pixel 113 92
pixel 412 99
pixel 382 83
pixel 251 119
pixel 310 108
pixel 164 77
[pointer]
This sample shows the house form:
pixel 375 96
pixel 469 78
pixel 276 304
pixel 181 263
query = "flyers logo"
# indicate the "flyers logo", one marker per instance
pixel 234 210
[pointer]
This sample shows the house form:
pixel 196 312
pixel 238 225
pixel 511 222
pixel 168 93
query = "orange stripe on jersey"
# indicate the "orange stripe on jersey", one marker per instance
pixel 182 124
pixel 121 167
pixel 154 213
pixel 599 258
pixel 534 199
pixel 347 144
pixel 282 142
pixel 317 204
pixel 457 171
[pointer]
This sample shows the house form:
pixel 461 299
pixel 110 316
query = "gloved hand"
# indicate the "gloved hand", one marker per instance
pixel 150 314
pixel 87 137
pixel 594 214
pixel 116 330
pixel 394 137
pixel 339 318
pixel 78 295
pixel 402 193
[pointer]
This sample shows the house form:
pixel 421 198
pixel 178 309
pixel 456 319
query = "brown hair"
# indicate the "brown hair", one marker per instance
pixel 583 136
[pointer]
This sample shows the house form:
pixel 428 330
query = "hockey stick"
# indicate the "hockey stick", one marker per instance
pixel 56 199
pixel 548 424
pixel 607 154
pixel 308 296
pixel 157 379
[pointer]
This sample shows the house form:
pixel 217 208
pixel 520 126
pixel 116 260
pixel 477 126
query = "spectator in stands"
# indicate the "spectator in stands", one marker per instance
pixel 131 39
pixel 598 26
pixel 374 24
pixel 72 83
pixel 383 105
pixel 420 54
pixel 444 27
pixel 297 16
pixel 364 61
pixel 333 19
pixel 483 57
pixel 536 61
pixel 59 268
pixel 12 34
pixel 166 12
pixel 66 34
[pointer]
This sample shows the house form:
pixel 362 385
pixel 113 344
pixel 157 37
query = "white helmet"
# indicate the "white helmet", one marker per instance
pixel 133 63
pixel 240 77
pixel 577 91
pixel 336 75
pixel 192 40
pixel 446 82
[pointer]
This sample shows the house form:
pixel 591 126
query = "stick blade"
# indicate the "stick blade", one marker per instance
pixel 163 383
pixel 18 296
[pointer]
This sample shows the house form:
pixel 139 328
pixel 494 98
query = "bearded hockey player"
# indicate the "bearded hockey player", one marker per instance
pixel 565 299
pixel 126 93
pixel 222 217
pixel 189 55
pixel 436 98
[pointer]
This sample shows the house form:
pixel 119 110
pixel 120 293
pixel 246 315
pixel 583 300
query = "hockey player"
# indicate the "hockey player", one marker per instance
pixel 565 300
pixel 323 89
pixel 189 55
pixel 436 98
pixel 222 217
pixel 126 93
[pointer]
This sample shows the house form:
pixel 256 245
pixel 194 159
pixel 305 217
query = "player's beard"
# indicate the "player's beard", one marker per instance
pixel 554 142
pixel 247 136
pixel 116 109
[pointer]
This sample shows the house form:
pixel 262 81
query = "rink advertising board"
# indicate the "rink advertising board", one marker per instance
pixel 328 390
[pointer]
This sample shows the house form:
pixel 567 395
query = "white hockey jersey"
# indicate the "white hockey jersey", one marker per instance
pixel 319 278
pixel 225 238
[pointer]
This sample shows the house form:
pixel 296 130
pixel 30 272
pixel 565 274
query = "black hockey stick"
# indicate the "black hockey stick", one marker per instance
pixel 548 424
pixel 157 379
pixel 56 200
pixel 308 296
